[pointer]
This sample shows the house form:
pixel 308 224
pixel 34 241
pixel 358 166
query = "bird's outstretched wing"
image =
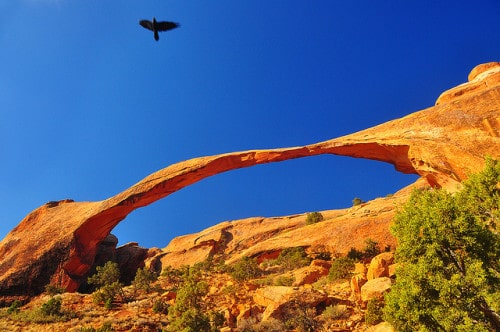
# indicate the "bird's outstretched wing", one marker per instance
pixel 147 24
pixel 165 25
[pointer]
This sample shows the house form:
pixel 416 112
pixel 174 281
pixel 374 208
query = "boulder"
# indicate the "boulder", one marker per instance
pixel 375 288
pixel 381 327
pixel 308 275
pixel 279 299
pixel 357 281
pixel 379 265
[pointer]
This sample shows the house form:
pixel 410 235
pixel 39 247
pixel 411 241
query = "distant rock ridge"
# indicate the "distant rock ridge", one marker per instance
pixel 58 241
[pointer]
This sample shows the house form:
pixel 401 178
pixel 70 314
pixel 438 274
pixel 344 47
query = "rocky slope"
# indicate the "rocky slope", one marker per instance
pixel 59 241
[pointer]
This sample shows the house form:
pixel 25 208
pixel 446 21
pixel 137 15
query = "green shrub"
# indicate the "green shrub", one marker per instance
pixel 301 319
pixel 333 312
pixel 370 250
pixel 373 314
pixel 246 269
pixel 106 327
pixel 293 258
pixel 107 279
pixel 341 268
pixel 52 289
pixel 320 252
pixel 14 307
pixel 229 290
pixel 313 218
pixel 107 294
pixel 357 201
pixel 190 320
pixel 284 280
pixel 217 320
pixel 52 307
pixel 87 329
pixel 354 254
pixel 50 312
pixel 160 306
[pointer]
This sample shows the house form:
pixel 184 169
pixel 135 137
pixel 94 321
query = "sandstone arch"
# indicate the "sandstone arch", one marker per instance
pixel 57 242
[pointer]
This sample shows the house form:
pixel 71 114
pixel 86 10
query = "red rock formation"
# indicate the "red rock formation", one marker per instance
pixel 57 242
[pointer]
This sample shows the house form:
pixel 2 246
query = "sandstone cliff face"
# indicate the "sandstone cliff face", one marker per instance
pixel 58 241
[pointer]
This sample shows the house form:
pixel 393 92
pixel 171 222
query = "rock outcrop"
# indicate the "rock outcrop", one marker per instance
pixel 375 288
pixel 58 241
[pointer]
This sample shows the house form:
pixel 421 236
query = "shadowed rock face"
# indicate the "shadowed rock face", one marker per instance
pixel 443 144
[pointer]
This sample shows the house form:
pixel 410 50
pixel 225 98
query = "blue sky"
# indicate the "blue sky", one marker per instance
pixel 90 104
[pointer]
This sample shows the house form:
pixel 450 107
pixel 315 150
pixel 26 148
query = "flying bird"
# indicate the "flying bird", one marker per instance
pixel 156 26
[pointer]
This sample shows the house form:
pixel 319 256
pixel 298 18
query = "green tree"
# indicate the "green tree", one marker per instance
pixel 245 269
pixel 105 275
pixel 314 217
pixel 449 258
pixel 107 280
pixel 187 313
pixel 144 279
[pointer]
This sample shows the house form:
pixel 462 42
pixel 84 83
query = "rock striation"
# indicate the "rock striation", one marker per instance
pixel 58 242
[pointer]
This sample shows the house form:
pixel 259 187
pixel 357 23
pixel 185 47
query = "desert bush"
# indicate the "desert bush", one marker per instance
pixel 314 217
pixel 354 254
pixel 320 252
pixel 14 307
pixel 247 268
pixel 87 329
pixel 52 307
pixel 269 325
pixel 50 312
pixel 191 320
pixel 341 268
pixel 107 294
pixel 284 280
pixel 302 319
pixel 293 258
pixel 357 201
pixel 53 289
pixel 160 306
pixel 105 327
pixel 229 290
pixel 370 250
pixel 374 313
pixel 333 312
pixel 217 320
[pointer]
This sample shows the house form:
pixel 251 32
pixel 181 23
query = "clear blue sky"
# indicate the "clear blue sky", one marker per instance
pixel 90 103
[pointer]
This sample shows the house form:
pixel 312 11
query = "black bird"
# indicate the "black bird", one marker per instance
pixel 158 26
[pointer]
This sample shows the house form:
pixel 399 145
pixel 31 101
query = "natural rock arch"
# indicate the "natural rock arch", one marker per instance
pixel 57 242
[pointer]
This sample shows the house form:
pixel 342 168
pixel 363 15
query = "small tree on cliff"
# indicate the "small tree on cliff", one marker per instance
pixel 449 258
pixel 107 279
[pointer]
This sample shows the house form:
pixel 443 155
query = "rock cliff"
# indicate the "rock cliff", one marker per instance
pixel 58 241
